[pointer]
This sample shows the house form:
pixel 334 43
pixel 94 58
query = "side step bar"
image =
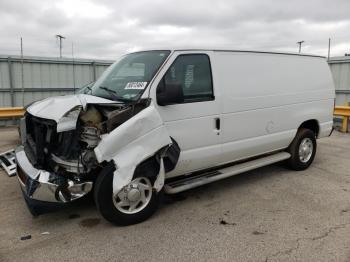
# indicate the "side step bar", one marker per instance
pixel 208 177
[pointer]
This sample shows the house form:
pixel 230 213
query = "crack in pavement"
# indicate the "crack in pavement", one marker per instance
pixel 288 251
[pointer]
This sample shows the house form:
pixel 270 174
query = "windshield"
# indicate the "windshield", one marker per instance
pixel 126 79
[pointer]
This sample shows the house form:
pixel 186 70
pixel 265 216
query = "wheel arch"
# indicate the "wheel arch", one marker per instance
pixel 151 165
pixel 311 124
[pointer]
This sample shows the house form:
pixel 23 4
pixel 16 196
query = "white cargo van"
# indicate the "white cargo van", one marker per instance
pixel 171 120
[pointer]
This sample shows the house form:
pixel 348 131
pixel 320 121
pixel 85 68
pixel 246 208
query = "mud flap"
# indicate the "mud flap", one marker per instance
pixel 139 138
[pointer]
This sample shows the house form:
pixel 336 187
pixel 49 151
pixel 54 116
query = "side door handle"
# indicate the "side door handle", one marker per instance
pixel 217 125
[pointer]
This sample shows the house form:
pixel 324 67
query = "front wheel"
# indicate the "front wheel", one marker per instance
pixel 302 149
pixel 133 204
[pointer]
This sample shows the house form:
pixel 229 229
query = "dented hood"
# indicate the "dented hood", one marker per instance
pixel 55 108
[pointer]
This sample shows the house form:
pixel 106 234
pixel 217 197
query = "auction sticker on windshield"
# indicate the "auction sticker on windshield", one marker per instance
pixel 136 85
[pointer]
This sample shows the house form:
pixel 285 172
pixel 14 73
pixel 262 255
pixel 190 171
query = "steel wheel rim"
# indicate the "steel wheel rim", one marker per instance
pixel 306 149
pixel 134 197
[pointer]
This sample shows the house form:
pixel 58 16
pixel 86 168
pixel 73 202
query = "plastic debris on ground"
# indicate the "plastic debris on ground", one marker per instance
pixel 26 237
pixel 8 162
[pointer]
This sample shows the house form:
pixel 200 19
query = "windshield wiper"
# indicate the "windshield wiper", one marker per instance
pixel 110 91
pixel 89 88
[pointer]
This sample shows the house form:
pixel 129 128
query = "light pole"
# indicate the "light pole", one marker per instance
pixel 60 37
pixel 299 43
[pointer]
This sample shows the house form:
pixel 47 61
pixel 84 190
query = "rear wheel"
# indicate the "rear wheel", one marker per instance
pixel 302 149
pixel 136 202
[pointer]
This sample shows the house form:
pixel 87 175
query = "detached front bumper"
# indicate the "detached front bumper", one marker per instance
pixel 46 187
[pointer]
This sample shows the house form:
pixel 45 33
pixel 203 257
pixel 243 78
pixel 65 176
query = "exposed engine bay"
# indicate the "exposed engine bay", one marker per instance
pixel 71 153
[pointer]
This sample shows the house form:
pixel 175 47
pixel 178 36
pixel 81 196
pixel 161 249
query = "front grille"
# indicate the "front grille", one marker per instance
pixel 42 140
pixel 40 137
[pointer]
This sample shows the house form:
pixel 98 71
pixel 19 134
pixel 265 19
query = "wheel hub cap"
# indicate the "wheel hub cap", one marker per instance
pixel 134 197
pixel 306 148
pixel 134 194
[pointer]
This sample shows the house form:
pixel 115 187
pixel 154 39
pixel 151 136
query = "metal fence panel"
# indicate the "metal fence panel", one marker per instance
pixel 341 75
pixel 340 67
pixel 4 75
pixel 23 81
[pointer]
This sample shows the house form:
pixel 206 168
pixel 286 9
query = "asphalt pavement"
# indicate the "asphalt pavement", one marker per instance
pixel 270 214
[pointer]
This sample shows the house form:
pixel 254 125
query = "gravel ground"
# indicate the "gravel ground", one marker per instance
pixel 270 214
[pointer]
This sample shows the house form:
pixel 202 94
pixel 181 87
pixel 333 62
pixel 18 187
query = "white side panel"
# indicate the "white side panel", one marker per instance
pixel 253 132
pixel 254 81
pixel 325 129
pixel 192 125
pixel 132 142
pixel 266 97
pixel 130 156
pixel 195 133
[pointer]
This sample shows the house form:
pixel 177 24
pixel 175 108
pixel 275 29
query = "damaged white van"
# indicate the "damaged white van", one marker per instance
pixel 171 120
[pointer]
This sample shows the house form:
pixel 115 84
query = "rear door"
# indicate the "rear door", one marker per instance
pixel 195 123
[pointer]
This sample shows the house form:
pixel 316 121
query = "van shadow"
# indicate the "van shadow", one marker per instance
pixel 237 182
pixel 84 210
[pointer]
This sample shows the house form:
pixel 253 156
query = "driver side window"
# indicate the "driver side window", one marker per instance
pixel 193 73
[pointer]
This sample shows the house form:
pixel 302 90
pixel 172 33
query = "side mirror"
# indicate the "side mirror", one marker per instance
pixel 168 94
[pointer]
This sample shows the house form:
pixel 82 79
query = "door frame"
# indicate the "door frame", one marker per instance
pixel 216 146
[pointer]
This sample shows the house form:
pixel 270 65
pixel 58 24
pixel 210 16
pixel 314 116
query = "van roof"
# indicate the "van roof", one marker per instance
pixel 233 50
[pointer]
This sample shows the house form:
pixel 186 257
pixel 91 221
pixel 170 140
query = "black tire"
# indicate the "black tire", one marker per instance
pixel 104 201
pixel 294 162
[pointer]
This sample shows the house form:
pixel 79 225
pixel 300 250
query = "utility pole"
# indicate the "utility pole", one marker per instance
pixel 299 43
pixel 73 67
pixel 22 72
pixel 60 37
pixel 329 47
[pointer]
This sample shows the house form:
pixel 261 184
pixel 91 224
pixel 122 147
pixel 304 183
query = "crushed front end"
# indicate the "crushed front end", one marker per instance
pixel 48 165
pixel 56 162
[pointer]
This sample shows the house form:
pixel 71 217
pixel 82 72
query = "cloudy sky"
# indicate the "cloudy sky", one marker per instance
pixel 108 28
